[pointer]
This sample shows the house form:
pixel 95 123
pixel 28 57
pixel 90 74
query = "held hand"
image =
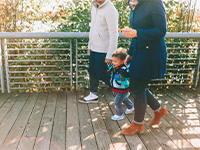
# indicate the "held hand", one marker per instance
pixel 88 52
pixel 129 33
pixel 108 61
pixel 128 58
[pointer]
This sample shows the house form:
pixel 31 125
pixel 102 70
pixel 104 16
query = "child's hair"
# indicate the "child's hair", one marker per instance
pixel 120 53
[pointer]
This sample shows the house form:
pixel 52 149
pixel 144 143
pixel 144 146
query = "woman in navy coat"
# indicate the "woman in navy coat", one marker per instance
pixel 148 57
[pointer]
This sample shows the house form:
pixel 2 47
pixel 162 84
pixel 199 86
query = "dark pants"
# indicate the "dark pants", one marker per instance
pixel 142 97
pixel 98 70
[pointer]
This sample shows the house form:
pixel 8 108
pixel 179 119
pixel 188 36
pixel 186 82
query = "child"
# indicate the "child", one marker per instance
pixel 120 84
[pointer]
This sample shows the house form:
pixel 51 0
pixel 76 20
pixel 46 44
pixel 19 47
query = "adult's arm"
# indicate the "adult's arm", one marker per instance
pixel 112 23
pixel 89 42
pixel 159 23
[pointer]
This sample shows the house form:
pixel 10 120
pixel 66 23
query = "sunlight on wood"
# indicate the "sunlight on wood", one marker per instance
pixel 196 130
pixel 44 129
pixel 37 112
pixel 139 146
pixel 192 122
pixel 191 110
pixel 89 137
pixel 116 135
pixel 70 128
pixel 111 103
pixel 195 142
pixel 190 100
pixel 73 147
pixel 125 126
pixel 95 119
pixel 39 139
pixel 120 146
pixel 181 144
pixel 170 131
pixel 155 126
pixel 89 126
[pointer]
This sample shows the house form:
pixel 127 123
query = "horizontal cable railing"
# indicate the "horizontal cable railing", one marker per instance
pixel 59 60
pixel 33 64
pixel 182 62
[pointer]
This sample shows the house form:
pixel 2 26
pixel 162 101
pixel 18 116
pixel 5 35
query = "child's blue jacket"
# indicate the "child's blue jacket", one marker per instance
pixel 119 78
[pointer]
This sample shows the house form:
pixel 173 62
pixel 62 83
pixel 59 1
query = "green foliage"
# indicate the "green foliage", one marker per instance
pixel 181 16
pixel 75 16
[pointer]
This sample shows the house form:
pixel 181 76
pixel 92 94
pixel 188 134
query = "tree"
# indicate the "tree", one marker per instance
pixel 182 16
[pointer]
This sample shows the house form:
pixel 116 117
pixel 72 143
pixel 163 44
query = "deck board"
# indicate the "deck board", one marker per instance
pixel 72 130
pixel 119 141
pixel 44 133
pixel 100 130
pixel 168 128
pixel 11 117
pixel 88 139
pixel 3 98
pixel 57 121
pixel 59 125
pixel 20 124
pixel 29 136
pixel 178 110
pixel 134 141
pixel 7 105
pixel 147 137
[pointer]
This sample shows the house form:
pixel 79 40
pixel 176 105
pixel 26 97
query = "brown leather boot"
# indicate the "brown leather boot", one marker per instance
pixel 133 128
pixel 158 115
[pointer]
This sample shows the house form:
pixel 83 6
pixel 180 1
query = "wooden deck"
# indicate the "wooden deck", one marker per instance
pixel 56 121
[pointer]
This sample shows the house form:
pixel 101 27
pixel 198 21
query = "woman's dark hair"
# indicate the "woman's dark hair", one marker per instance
pixel 120 53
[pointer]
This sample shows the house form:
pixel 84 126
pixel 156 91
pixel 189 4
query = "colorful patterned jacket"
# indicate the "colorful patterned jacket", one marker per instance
pixel 119 77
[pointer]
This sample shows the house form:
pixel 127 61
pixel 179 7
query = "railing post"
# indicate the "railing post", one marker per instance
pixel 197 82
pixel 76 64
pixel 1 70
pixel 6 65
pixel 71 63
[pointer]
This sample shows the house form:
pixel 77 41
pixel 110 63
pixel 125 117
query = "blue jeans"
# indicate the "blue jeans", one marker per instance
pixel 98 70
pixel 142 97
pixel 119 98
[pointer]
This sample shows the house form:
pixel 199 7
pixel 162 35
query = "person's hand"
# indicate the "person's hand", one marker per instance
pixel 127 59
pixel 88 52
pixel 108 61
pixel 129 33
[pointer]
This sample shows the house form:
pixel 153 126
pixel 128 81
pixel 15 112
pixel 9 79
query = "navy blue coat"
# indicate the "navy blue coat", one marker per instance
pixel 148 49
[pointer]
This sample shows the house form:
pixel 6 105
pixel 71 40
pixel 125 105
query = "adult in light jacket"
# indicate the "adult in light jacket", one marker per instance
pixel 148 57
pixel 102 43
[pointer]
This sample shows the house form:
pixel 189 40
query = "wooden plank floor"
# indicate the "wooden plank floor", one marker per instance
pixel 56 121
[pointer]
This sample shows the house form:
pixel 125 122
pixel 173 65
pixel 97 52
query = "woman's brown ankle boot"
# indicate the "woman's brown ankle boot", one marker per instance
pixel 158 115
pixel 133 128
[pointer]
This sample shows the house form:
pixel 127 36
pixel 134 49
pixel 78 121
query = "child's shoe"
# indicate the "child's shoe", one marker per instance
pixel 116 117
pixel 128 111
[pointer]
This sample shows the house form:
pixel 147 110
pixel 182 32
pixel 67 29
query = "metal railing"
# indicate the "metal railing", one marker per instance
pixel 1 71
pixel 60 60
pixel 182 64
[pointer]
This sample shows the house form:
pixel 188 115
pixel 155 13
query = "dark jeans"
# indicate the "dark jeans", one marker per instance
pixel 142 97
pixel 98 70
